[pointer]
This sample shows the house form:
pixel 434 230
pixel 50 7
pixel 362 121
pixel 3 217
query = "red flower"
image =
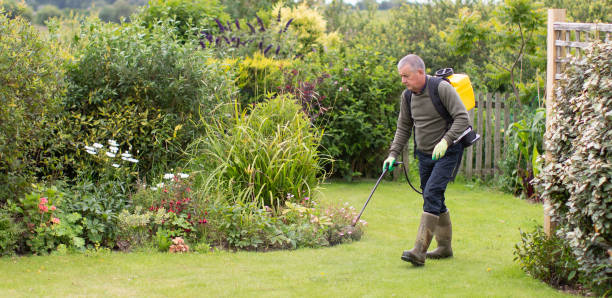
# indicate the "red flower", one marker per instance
pixel 43 208
pixel 43 200
pixel 53 208
pixel 55 220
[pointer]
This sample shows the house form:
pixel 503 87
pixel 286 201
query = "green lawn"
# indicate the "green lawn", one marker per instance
pixel 485 224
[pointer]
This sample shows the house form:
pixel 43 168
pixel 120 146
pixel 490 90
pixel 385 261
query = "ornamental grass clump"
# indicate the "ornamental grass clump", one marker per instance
pixel 577 181
pixel 260 157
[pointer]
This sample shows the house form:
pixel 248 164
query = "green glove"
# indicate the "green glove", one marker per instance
pixel 439 150
pixel 388 164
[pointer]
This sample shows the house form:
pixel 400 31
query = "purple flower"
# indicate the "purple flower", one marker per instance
pixel 260 22
pixel 229 26
pixel 237 24
pixel 209 37
pixel 202 44
pixel 277 50
pixel 287 26
pixel 226 40
pixel 220 25
pixel 252 28
pixel 278 17
pixel 259 45
pixel 267 49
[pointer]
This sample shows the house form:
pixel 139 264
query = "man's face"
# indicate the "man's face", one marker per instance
pixel 413 80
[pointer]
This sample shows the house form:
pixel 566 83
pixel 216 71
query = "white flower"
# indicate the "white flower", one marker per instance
pixel 113 143
pixel 90 148
pixel 110 154
pixel 154 188
pixel 161 184
pixel 98 145
pixel 132 160
pixel 168 176
pixel 115 165
pixel 92 152
pixel 126 155
pixel 183 176
pixel 113 149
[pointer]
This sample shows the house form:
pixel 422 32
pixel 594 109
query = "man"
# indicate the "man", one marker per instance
pixel 436 152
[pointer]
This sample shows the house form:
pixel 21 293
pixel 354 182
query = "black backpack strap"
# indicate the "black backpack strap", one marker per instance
pixel 433 84
pixel 407 96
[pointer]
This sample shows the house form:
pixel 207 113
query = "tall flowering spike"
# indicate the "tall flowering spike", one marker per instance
pixel 221 28
pixel 278 16
pixel 226 40
pixel 238 42
pixel 217 41
pixel 287 25
pixel 202 44
pixel 237 24
pixel 251 27
pixel 229 26
pixel 260 22
pixel 209 37
pixel 277 50
pixel 267 49
pixel 260 45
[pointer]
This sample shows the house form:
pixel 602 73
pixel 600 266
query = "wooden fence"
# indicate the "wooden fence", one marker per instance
pixel 564 41
pixel 490 119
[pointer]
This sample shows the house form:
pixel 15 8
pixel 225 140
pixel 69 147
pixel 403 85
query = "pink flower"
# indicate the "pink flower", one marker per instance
pixel 55 220
pixel 43 200
pixel 53 208
pixel 43 208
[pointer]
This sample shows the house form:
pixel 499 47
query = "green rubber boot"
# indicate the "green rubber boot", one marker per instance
pixel 444 235
pixel 417 255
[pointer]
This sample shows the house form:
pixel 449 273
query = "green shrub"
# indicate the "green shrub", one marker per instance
pixel 143 88
pixel 577 179
pixel 11 232
pixel 267 157
pixel 13 9
pixel 364 99
pixel 188 17
pixel 30 89
pixel 47 12
pixel 549 259
pixel 119 10
pixel 521 164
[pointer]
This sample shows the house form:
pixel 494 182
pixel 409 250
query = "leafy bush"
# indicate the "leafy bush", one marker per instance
pixel 267 157
pixel 188 17
pixel 47 12
pixel 549 259
pixel 577 180
pixel 522 163
pixel 30 88
pixel 47 224
pixel 13 9
pixel 11 233
pixel 143 88
pixel 363 96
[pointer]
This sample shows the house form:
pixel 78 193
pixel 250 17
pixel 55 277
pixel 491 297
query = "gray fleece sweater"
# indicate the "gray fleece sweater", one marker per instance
pixel 430 126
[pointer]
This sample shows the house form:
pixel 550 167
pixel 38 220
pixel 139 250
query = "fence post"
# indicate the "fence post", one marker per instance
pixel 554 15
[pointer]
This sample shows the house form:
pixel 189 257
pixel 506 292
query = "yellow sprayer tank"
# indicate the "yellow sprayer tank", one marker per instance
pixel 462 84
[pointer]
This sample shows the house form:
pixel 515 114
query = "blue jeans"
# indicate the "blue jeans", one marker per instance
pixel 435 175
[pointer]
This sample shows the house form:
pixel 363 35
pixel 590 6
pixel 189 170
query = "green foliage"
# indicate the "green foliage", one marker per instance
pixel 133 228
pixel 267 157
pixel 14 8
pixel 549 259
pixel 577 180
pixel 363 97
pixel 592 11
pixel 258 77
pixel 11 233
pixel 98 205
pixel 188 17
pixel 509 41
pixel 116 12
pixel 47 12
pixel 142 87
pixel 522 163
pixel 31 83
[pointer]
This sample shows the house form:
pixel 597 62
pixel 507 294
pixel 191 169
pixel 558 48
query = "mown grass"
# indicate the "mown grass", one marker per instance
pixel 485 225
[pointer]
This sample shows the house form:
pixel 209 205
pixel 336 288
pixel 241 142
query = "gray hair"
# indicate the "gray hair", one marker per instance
pixel 413 60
